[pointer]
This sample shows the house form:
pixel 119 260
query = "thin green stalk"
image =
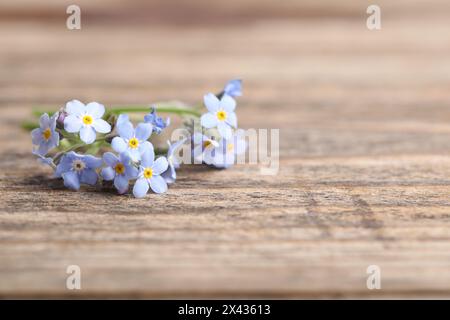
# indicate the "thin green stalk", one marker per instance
pixel 123 109
pixel 176 110
pixel 28 125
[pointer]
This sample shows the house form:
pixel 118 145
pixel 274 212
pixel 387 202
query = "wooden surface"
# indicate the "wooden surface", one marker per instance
pixel 365 151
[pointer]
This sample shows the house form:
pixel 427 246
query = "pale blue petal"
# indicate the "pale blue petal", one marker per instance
pixel 148 157
pixel 233 88
pixel 72 123
pixel 227 103
pixel 75 108
pixel 101 126
pixel 224 130
pixel 121 183
pixel 54 140
pixel 44 121
pixel 64 165
pixel 71 180
pixel 131 172
pixel 160 165
pixel 88 176
pixel 95 109
pixel 36 136
pixel 134 154
pixel 125 129
pixel 124 158
pixel 175 162
pixel 211 102
pixel 140 188
pixel 108 173
pixel 209 155
pixel 119 145
pixel 122 118
pixel 91 161
pixel 158 123
pixel 170 175
pixel 87 135
pixel 43 149
pixel 158 184
pixel 145 146
pixel 208 120
pixel 53 121
pixel 143 131
pixel 232 119
pixel 72 155
pixel 110 159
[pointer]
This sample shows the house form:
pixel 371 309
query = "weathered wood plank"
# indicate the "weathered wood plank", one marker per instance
pixel 364 161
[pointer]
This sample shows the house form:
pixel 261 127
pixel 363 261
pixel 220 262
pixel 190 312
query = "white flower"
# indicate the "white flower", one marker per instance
pixel 86 119
pixel 221 114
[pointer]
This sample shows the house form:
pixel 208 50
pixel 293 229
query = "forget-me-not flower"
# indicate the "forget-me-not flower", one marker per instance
pixel 45 137
pixel 225 154
pixel 233 88
pixel 76 169
pixel 86 119
pixel 150 175
pixel 134 142
pixel 170 175
pixel 203 147
pixel 157 122
pixel 221 114
pixel 120 169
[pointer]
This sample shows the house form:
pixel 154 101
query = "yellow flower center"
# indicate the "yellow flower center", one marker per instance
pixel 78 165
pixel 133 143
pixel 230 147
pixel 47 134
pixel 120 168
pixel 206 144
pixel 221 115
pixel 87 120
pixel 148 173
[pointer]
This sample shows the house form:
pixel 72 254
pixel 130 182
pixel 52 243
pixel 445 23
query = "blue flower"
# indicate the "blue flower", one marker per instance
pixel 224 155
pixel 157 122
pixel 45 137
pixel 221 114
pixel 170 175
pixel 86 119
pixel 204 148
pixel 120 169
pixel 76 169
pixel 233 88
pixel 134 142
pixel 150 175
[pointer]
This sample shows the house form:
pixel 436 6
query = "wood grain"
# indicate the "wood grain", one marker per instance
pixel 364 160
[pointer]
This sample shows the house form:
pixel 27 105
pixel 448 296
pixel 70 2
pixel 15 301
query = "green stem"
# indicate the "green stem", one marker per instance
pixel 168 109
pixel 28 125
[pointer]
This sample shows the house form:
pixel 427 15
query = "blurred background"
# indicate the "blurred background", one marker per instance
pixel 315 57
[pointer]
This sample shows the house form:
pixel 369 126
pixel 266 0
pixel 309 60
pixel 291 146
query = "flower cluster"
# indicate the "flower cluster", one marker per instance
pixel 220 151
pixel 94 145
